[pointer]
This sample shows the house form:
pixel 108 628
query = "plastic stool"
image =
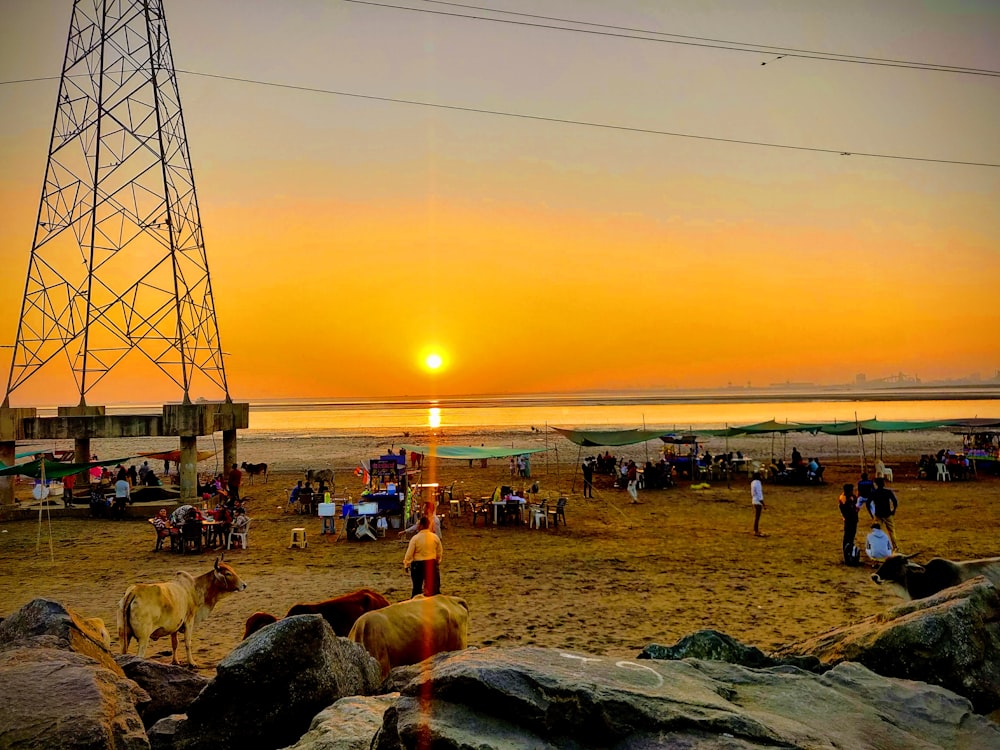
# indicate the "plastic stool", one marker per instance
pixel 298 539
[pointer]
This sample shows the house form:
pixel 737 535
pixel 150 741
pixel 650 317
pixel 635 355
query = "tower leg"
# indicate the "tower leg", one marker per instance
pixel 229 449
pixel 188 468
pixel 7 451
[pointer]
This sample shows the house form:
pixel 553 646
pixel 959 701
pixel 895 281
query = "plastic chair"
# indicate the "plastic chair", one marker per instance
pixel 881 470
pixel 538 515
pixel 943 474
pixel 558 512
pixel 191 536
pixel 241 535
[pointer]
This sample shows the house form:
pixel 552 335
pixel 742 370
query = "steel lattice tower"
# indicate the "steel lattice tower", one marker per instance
pixel 118 264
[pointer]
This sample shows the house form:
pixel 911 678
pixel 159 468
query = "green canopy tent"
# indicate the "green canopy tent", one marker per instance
pixel 51 469
pixel 875 427
pixel 468 453
pixel 606 438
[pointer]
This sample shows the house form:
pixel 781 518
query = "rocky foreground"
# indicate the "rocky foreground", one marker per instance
pixel 920 675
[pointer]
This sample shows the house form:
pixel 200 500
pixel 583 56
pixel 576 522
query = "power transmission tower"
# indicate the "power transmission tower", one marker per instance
pixel 118 266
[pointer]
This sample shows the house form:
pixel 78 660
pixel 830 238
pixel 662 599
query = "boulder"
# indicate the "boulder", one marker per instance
pixel 161 734
pixel 54 697
pixel 171 688
pixel 950 639
pixel 716 646
pixel 268 689
pixel 46 619
pixel 349 724
pixel 547 698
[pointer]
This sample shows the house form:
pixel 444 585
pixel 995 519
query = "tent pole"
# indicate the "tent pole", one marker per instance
pixel 578 467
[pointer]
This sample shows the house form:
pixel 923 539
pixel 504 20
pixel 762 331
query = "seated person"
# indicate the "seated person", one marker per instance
pixel 240 523
pixel 878 545
pixel 164 528
pixel 293 496
pixel 183 514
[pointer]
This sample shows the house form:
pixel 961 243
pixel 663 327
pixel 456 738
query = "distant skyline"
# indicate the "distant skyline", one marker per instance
pixel 350 238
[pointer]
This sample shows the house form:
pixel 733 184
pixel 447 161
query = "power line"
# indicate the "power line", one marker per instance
pixel 586 123
pixel 560 120
pixel 680 39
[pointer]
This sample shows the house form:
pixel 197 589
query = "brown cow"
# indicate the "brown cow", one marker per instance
pixel 256 621
pixel 154 610
pixel 340 612
pixel 411 631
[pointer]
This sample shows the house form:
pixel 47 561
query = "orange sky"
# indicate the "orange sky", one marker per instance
pixel 347 238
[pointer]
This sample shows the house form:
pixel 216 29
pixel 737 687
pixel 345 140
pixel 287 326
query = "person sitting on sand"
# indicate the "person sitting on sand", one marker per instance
pixel 878 546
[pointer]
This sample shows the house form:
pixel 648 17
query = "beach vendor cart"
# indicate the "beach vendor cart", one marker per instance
pixel 382 504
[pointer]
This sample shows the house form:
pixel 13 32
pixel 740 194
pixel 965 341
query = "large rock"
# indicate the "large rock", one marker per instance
pixel 716 646
pixel 267 690
pixel 54 698
pixel 950 639
pixel 49 623
pixel 542 698
pixel 171 688
pixel 349 724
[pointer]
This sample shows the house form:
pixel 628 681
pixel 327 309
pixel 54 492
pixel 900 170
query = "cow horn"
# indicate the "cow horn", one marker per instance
pixel 217 562
pixel 912 554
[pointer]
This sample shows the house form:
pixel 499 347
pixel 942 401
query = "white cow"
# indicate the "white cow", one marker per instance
pixel 154 610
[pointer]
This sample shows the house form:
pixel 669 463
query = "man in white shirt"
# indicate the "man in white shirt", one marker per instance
pixel 757 498
pixel 423 560
pixel 122 496
pixel 878 545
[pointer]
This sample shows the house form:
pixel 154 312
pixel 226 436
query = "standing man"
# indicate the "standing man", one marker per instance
pixel 122 496
pixel 849 510
pixel 882 506
pixel 632 475
pixel 588 478
pixel 235 480
pixel 423 560
pixel 757 498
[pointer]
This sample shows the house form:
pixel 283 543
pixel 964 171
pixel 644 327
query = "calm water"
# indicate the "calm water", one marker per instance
pixel 294 436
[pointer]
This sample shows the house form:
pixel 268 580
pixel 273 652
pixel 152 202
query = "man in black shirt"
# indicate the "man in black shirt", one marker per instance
pixel 882 506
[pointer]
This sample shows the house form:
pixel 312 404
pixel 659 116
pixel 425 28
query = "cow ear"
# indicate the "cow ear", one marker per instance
pixel 914 568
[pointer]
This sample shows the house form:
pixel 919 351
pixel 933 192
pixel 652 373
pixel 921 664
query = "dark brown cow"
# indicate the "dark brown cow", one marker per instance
pixel 341 612
pixel 255 470
pixel 256 621
pixel 912 581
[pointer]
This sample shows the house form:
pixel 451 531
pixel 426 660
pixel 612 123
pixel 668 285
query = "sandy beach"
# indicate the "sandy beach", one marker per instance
pixel 615 578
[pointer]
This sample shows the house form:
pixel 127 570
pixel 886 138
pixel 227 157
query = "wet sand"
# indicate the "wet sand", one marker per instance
pixel 615 578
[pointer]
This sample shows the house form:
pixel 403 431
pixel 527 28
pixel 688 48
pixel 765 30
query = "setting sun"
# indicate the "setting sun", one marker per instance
pixel 433 361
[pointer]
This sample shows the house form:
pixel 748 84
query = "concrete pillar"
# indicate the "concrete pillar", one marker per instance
pixel 188 469
pixel 229 449
pixel 11 430
pixel 81 455
pixel 7 450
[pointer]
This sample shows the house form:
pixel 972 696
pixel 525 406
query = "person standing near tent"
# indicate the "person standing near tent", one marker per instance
pixel 757 498
pixel 588 477
pixel 423 560
pixel 632 476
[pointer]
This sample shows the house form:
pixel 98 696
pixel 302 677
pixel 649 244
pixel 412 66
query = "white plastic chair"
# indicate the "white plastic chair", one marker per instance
pixel 241 535
pixel 881 470
pixel 943 475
